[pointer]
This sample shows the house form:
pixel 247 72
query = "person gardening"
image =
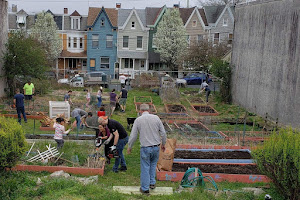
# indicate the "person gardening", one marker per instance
pixel 59 132
pixel 120 140
pixel 19 103
pixel 152 135
pixel 28 90
pixel 78 114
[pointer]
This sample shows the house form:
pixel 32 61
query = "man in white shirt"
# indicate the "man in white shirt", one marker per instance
pixel 122 79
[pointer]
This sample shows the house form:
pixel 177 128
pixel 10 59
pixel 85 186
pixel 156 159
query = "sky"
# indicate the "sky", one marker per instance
pixel 57 6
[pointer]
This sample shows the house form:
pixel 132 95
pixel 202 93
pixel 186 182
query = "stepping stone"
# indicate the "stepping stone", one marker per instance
pixel 136 190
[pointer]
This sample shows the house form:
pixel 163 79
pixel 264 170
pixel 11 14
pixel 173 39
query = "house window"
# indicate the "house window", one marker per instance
pixel 109 41
pixel 230 38
pixel 80 43
pixel 125 41
pixel 102 22
pixel 128 63
pixel 92 64
pixel 75 23
pixel 21 19
pixel 72 63
pixel 104 62
pixel 139 42
pixel 132 25
pixel 154 41
pixel 216 38
pixel 194 23
pixel 74 42
pixel 95 41
pixel 69 42
pixel 225 22
pixel 200 38
pixel 84 63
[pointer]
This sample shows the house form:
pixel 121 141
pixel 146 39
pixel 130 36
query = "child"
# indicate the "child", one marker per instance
pixel 104 134
pixel 99 97
pixel 59 131
pixel 101 111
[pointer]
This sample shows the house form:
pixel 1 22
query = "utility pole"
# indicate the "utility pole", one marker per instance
pixel 187 3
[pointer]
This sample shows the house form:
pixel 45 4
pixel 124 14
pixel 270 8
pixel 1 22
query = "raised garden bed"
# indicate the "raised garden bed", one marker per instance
pixel 192 129
pixel 72 170
pixel 212 154
pixel 39 117
pixel 237 167
pixel 69 137
pixel 205 110
pixel 175 108
pixel 143 99
pixel 151 106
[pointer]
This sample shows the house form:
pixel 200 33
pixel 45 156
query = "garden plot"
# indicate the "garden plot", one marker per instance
pixel 205 110
pixel 196 100
pixel 175 108
pixel 142 99
pixel 191 129
pixel 221 164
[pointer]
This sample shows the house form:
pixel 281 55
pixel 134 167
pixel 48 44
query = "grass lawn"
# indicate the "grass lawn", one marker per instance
pixel 22 185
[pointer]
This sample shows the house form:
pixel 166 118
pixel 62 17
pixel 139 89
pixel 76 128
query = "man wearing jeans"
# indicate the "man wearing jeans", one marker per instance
pixel 19 103
pixel 152 135
pixel 120 140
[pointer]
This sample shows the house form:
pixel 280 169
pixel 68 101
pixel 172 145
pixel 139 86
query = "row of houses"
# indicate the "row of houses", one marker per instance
pixel 115 40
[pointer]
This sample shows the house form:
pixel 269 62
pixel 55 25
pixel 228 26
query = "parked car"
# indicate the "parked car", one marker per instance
pixel 197 78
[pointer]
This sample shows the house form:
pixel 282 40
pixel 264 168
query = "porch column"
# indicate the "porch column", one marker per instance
pixel 64 67
pixel 133 67
pixel 146 65
pixel 57 68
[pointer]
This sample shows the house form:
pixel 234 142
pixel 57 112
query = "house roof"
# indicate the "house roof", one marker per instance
pixel 203 16
pixel 152 14
pixel 75 14
pixel 22 12
pixel 67 54
pixel 185 14
pixel 123 14
pixel 112 13
pixel 213 12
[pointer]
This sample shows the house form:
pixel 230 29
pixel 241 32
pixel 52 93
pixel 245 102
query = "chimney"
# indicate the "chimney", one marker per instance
pixel 66 11
pixel 14 8
pixel 118 5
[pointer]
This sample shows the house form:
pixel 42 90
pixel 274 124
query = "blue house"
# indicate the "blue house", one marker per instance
pixel 102 39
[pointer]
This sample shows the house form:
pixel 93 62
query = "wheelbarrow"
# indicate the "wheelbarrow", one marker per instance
pixel 130 121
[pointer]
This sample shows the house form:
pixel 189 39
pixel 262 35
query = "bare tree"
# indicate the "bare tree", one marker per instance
pixel 201 54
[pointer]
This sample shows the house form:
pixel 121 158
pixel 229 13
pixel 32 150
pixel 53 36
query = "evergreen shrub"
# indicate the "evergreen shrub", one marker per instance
pixel 12 142
pixel 279 159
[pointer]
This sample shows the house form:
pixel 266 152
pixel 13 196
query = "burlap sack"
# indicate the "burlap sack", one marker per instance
pixel 165 161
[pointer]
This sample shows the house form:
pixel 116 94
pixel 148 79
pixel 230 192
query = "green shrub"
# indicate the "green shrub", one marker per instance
pixel 12 142
pixel 41 86
pixel 279 159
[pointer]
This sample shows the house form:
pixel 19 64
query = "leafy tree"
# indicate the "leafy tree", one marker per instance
pixel 201 54
pixel 23 56
pixel 223 70
pixel 171 39
pixel 45 31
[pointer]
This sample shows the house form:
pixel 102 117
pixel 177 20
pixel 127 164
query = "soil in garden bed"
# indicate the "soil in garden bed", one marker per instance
pixel 204 109
pixel 212 155
pixel 176 108
pixel 226 169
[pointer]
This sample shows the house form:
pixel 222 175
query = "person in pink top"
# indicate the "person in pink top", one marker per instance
pixel 88 98
pixel 59 132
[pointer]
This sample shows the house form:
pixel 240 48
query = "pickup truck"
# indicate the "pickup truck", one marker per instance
pixel 89 79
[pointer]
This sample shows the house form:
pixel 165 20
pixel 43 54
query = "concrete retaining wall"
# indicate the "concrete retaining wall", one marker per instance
pixel 266 53
pixel 3 39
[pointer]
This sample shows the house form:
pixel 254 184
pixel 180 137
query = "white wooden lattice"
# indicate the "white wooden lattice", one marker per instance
pixel 41 156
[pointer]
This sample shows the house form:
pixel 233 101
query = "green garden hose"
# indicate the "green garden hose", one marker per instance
pixel 196 181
